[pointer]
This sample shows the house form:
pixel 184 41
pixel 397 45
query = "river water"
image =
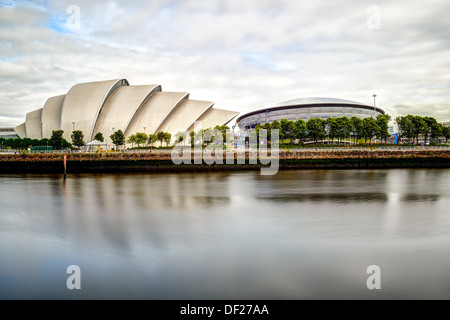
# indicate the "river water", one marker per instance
pixel 301 234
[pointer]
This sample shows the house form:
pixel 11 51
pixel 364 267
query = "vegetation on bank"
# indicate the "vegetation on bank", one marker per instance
pixel 154 162
pixel 56 141
pixel 343 129
pixel 292 134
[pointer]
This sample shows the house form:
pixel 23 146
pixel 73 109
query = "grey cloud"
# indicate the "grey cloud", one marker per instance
pixel 299 49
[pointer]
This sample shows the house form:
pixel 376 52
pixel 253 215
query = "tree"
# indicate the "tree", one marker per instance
pixel 446 133
pixel 140 138
pixel 357 127
pixel 333 128
pixel 77 138
pixel 179 137
pixel 316 128
pixel 432 128
pixel 57 140
pixel 436 131
pixel 223 129
pixel 287 128
pixel 99 137
pixel 192 135
pixel 275 125
pixel 132 139
pixel 405 127
pixel 345 128
pixel 300 130
pixel 419 127
pixel 257 129
pixel 118 138
pixel 369 128
pixel 267 126
pixel 152 139
pixel 160 136
pixel 382 122
pixel 167 138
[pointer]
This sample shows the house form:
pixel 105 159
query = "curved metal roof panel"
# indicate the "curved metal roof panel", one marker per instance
pixel 83 104
pixel 21 130
pixel 33 124
pixel 214 117
pixel 153 112
pixel 121 107
pixel 51 115
pixel 314 100
pixel 180 119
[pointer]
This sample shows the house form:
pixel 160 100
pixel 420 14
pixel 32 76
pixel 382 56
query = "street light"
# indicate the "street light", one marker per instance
pixel 73 126
pixel 374 102
pixel 113 133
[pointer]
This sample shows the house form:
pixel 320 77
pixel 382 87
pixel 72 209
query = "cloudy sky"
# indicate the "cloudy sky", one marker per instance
pixel 241 54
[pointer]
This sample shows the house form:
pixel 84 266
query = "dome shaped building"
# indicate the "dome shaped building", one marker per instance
pixel 306 109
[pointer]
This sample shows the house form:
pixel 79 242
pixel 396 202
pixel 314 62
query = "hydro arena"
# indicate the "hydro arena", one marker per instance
pixel 108 106
pixel 307 108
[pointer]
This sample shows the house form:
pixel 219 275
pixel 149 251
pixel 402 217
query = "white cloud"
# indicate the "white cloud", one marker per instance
pixel 241 54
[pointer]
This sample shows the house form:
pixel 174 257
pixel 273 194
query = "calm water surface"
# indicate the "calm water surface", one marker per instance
pixel 304 234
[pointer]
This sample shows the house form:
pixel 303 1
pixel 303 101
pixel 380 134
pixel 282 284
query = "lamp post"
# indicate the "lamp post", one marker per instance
pixel 73 126
pixel 113 133
pixel 374 102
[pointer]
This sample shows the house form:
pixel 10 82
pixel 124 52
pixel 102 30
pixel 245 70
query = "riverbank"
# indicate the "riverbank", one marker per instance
pixel 162 162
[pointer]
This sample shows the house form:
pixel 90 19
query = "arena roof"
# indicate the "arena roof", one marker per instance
pixel 313 102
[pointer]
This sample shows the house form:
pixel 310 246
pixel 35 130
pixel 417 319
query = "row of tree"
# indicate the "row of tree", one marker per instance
pixel 342 128
pixel 332 128
pixel 118 138
pixel 413 127
pixel 142 138
pixel 56 141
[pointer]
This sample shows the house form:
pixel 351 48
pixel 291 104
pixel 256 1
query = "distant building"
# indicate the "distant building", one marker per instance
pixel 306 109
pixel 108 106
pixel 446 124
pixel 8 133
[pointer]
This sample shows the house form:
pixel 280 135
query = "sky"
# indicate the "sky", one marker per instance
pixel 242 54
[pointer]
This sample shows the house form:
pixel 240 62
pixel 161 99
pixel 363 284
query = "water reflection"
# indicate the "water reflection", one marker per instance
pixel 299 234
pixel 332 197
pixel 420 197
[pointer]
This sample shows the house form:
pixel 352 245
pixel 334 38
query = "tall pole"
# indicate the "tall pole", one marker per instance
pixel 73 126
pixel 114 131
pixel 374 109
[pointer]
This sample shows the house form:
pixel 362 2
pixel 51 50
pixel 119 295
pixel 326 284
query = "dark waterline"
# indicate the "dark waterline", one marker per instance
pixel 300 234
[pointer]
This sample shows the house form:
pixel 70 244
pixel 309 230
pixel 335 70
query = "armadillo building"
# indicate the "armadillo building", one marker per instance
pixel 107 106
pixel 307 108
